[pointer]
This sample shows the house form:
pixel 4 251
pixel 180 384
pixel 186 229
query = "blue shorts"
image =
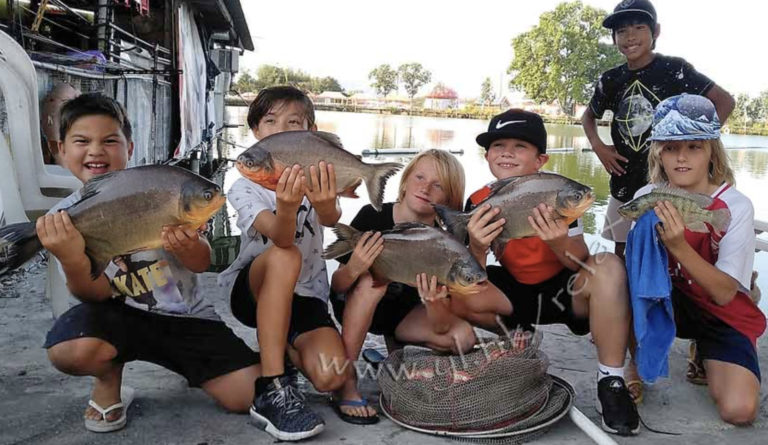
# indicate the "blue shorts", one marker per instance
pixel 715 340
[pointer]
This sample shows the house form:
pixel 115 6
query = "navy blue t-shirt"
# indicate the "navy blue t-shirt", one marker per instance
pixel 632 95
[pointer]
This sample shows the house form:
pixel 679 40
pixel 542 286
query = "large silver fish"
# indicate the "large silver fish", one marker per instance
pixel 414 248
pixel 517 197
pixel 264 162
pixel 123 212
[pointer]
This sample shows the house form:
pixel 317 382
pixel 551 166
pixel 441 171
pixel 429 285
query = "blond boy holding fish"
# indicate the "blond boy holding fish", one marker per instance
pixel 551 277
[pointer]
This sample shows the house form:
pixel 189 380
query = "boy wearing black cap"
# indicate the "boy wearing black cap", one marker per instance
pixel 551 278
pixel 632 91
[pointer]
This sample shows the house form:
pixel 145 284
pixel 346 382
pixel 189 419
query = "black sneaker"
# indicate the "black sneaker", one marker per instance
pixel 280 411
pixel 615 405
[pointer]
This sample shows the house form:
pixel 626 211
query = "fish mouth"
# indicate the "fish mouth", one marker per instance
pixel 469 289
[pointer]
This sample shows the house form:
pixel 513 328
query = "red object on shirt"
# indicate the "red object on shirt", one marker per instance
pixel 741 313
pixel 529 260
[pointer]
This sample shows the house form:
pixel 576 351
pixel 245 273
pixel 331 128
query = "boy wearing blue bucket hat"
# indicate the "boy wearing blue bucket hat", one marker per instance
pixel 710 271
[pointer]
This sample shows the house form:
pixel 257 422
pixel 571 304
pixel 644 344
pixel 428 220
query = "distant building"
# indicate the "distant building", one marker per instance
pixel 365 101
pixel 330 98
pixel 441 98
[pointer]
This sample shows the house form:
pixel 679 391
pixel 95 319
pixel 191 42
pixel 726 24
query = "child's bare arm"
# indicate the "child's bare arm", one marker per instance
pixel 321 192
pixel 483 230
pixel 186 244
pixel 57 234
pixel 280 227
pixel 720 286
pixel 607 154
pixel 724 102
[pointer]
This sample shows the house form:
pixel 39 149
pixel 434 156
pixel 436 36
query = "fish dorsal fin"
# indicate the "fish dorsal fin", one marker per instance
pixel 93 186
pixel 700 199
pixel 329 138
pixel 497 186
pixel 401 227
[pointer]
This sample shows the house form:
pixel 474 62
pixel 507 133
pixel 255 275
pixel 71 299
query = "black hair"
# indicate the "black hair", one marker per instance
pixel 632 20
pixel 90 104
pixel 269 97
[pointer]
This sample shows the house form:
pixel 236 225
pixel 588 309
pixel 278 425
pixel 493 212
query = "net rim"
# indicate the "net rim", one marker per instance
pixel 493 434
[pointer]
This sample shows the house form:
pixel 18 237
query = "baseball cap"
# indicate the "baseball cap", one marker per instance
pixel 627 8
pixel 687 117
pixel 518 124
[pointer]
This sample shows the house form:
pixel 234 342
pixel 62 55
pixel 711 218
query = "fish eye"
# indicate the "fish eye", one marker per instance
pixel 207 195
pixel 249 163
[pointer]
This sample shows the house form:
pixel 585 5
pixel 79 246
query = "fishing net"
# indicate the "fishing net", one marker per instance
pixel 499 393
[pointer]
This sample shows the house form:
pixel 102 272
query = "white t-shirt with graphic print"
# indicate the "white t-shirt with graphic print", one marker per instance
pixel 249 199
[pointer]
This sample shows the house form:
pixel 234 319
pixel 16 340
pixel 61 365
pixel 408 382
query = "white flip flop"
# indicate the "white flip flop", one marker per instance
pixel 103 425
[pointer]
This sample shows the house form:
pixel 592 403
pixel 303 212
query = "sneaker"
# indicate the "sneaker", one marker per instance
pixel 614 403
pixel 280 410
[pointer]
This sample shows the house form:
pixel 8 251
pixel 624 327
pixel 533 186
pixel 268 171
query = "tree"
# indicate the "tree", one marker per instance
pixel 245 82
pixel 328 83
pixel 562 57
pixel 757 108
pixel 270 75
pixel 384 79
pixel 487 96
pixel 413 76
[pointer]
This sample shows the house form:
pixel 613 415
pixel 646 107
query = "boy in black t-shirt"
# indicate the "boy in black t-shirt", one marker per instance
pixel 632 91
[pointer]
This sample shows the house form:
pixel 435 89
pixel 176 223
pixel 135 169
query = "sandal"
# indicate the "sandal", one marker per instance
pixel 105 426
pixel 696 373
pixel 349 418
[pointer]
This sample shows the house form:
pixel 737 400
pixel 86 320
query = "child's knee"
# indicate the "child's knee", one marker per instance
pixel 329 380
pixel 286 257
pixel 462 337
pixel 738 411
pixel 76 356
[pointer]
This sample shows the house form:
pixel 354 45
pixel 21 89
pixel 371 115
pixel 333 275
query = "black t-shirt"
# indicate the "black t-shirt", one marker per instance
pixel 368 219
pixel 632 95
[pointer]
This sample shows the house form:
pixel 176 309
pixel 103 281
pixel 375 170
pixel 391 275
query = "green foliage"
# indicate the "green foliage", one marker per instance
pixel 413 76
pixel 757 107
pixel 384 79
pixel 270 75
pixel 487 95
pixel 562 57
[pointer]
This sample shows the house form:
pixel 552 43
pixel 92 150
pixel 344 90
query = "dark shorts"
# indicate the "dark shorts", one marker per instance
pixel 715 340
pixel 397 303
pixel 197 349
pixel 556 301
pixel 307 313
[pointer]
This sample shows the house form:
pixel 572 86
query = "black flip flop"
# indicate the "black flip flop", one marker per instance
pixel 356 420
pixel 373 357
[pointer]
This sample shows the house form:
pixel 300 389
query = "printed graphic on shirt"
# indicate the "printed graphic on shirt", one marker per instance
pixel 149 283
pixel 635 115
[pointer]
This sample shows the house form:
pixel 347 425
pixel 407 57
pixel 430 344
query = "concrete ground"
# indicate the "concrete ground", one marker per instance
pixel 42 406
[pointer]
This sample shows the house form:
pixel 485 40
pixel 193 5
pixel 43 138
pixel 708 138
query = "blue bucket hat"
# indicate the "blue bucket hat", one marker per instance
pixel 687 117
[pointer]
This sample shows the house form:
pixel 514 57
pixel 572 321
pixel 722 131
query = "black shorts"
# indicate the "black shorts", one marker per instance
pixel 397 303
pixel 196 348
pixel 556 301
pixel 307 313
pixel 715 340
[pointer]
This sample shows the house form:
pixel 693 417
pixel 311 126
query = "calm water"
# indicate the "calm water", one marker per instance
pixel 358 131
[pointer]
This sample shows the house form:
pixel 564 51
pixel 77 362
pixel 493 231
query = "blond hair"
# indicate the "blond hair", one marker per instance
pixel 719 168
pixel 449 171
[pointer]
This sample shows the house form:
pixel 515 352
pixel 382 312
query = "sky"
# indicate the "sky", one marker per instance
pixel 463 42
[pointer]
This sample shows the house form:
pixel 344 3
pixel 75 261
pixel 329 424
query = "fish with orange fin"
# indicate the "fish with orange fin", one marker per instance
pixel 264 162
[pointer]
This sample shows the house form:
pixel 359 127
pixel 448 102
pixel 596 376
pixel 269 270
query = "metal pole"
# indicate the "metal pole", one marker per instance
pixel 589 428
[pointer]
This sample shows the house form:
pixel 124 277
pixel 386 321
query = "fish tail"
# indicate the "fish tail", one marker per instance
pixel 346 239
pixel 721 218
pixel 377 180
pixel 454 221
pixel 18 244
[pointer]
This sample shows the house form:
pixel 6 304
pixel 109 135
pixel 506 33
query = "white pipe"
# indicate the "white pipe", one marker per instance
pixel 589 428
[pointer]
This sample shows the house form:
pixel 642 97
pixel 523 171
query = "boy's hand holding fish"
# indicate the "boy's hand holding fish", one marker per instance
pixel 429 291
pixel 57 234
pixel 672 227
pixel 366 250
pixel 549 227
pixel 482 231
pixel 185 243
pixel 321 192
